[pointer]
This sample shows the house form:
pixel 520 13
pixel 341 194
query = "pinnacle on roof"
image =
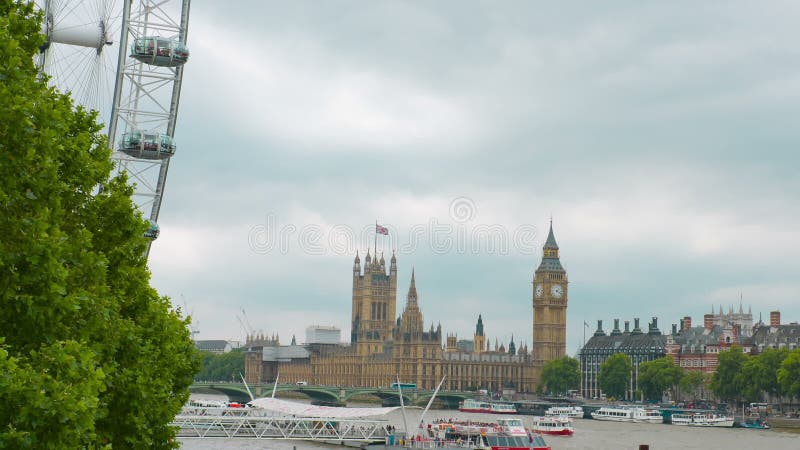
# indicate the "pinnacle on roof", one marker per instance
pixel 412 290
pixel 394 259
pixel 551 239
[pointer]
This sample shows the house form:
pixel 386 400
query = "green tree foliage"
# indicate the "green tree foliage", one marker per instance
pixel 224 367
pixel 693 382
pixel 561 375
pixel 91 354
pixel 728 382
pixel 771 360
pixel 657 376
pixel 789 374
pixel 615 375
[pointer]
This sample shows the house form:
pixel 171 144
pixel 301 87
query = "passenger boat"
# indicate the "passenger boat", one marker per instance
pixel 573 412
pixel 475 406
pixel 754 423
pixel 504 434
pixel 558 426
pixel 628 414
pixel 702 420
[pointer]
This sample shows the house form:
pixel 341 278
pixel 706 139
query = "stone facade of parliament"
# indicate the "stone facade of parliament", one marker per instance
pixel 382 347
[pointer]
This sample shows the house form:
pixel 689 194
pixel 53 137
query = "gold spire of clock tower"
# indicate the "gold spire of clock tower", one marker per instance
pixel 549 304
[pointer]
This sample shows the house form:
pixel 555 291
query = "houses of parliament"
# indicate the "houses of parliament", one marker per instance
pixel 384 345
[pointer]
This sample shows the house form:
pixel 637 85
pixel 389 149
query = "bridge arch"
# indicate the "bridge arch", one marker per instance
pixel 450 399
pixel 386 395
pixel 236 393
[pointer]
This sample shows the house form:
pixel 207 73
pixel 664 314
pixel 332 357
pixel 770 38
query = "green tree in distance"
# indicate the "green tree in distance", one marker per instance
pixel 789 374
pixel 224 367
pixel 727 382
pixel 615 375
pixel 91 355
pixel 771 360
pixel 657 376
pixel 561 375
pixel 692 382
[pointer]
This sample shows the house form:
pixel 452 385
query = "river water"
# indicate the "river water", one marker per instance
pixel 589 434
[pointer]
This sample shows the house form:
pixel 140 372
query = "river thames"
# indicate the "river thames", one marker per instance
pixel 589 434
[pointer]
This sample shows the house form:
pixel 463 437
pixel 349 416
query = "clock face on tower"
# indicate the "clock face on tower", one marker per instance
pixel 557 290
pixel 539 290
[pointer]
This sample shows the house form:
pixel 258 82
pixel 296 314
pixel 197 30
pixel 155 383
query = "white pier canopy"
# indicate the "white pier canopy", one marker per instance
pixel 287 408
pixel 271 418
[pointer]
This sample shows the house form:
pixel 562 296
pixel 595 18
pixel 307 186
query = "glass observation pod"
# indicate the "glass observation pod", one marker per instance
pixel 153 230
pixel 158 51
pixel 140 144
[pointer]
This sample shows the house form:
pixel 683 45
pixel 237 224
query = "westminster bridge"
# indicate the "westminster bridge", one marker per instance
pixel 338 395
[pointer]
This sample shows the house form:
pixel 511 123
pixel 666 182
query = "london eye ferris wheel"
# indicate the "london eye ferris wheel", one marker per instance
pixel 124 59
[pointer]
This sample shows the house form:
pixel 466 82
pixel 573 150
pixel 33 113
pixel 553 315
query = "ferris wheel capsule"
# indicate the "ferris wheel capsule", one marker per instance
pixel 158 51
pixel 143 145
pixel 152 231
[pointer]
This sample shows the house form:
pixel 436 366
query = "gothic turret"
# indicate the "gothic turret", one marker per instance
pixel 412 290
pixel 479 340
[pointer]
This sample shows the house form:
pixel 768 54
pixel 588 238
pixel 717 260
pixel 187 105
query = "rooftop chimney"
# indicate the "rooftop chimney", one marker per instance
pixel 653 328
pixel 687 322
pixel 774 318
pixel 708 321
pixel 615 331
pixel 599 331
pixel 636 329
pixel 627 327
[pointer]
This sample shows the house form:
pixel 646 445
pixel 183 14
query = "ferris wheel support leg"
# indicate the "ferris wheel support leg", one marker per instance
pixel 123 53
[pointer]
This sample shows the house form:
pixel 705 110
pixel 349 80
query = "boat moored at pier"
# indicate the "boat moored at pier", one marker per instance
pixel 628 414
pixel 475 406
pixel 504 434
pixel 573 412
pixel 702 420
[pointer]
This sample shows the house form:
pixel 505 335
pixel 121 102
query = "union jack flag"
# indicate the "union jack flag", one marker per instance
pixel 381 230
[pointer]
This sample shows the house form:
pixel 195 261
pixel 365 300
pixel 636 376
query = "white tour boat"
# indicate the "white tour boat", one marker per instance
pixel 573 412
pixel 476 406
pixel 503 434
pixel 558 425
pixel 628 414
pixel 702 420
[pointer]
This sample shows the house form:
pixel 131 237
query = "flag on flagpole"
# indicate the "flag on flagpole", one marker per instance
pixel 381 230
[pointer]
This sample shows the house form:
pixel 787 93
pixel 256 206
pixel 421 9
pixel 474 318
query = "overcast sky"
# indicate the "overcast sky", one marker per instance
pixel 660 136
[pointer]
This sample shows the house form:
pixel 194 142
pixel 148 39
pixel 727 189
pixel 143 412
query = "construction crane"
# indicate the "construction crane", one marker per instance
pixel 246 327
pixel 193 324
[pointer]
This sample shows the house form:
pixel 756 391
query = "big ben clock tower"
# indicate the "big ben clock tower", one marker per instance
pixel 549 304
